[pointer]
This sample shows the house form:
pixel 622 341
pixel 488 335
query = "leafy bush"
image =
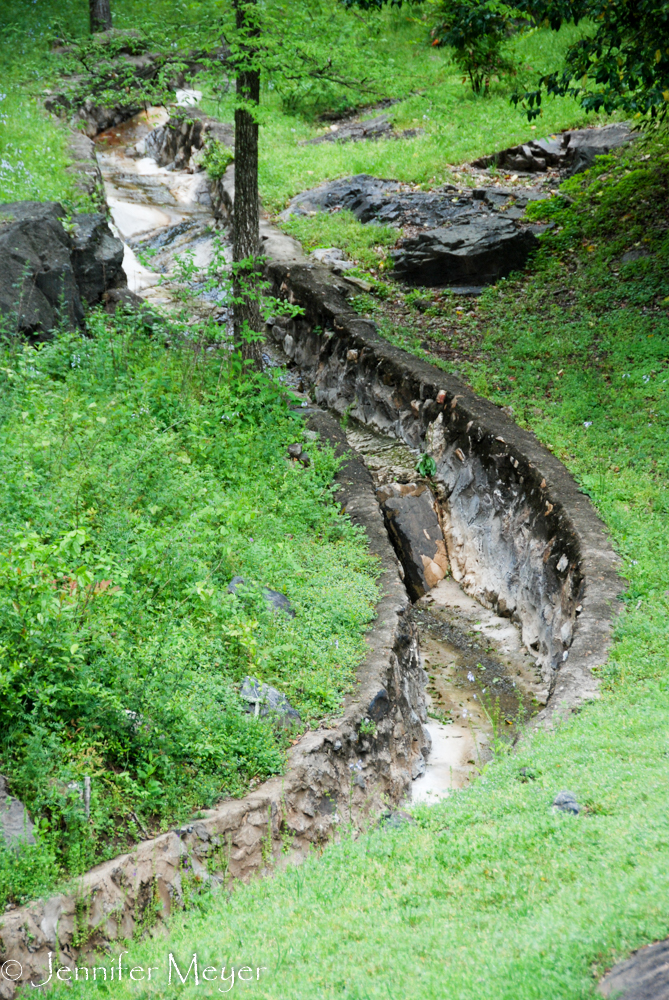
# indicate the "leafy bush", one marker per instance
pixel 136 482
pixel 477 32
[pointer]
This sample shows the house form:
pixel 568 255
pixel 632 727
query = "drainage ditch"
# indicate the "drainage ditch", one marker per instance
pixel 483 681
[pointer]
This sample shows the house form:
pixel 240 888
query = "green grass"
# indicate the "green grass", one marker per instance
pixel 137 481
pixel 492 894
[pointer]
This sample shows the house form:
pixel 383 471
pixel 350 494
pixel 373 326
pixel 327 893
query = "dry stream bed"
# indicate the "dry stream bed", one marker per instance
pixel 483 682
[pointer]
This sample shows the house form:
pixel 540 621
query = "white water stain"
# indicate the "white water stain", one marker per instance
pixel 163 211
pixel 456 753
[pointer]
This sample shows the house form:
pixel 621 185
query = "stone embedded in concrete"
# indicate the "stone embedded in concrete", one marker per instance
pixel 308 800
pixel 15 823
pixel 416 534
pixel 510 510
pixel 475 253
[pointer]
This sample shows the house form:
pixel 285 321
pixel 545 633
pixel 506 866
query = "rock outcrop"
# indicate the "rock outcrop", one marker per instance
pixel 173 144
pixel 379 127
pixel 466 238
pixel 570 152
pixel 47 273
pixel 476 253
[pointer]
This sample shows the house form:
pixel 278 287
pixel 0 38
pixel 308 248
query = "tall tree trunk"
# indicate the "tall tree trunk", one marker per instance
pixel 245 234
pixel 100 14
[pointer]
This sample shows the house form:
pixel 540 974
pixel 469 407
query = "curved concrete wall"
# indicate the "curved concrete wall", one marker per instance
pixel 521 537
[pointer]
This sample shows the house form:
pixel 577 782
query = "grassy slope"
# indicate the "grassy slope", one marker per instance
pixel 137 482
pixel 491 893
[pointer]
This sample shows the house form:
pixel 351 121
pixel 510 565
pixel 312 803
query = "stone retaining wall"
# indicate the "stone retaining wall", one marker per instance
pixel 335 777
pixel 521 537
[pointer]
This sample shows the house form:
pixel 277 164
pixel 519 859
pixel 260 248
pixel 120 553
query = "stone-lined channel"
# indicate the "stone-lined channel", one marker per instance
pixel 482 680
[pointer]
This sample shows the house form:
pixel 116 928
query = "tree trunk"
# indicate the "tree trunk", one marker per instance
pixel 245 234
pixel 100 14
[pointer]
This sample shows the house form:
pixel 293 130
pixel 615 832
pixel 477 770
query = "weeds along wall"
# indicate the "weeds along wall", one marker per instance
pixel 521 538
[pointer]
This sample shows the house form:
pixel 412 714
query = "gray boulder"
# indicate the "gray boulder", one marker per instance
pixel 416 535
pixel 566 802
pixel 97 257
pixel 45 272
pixel 356 131
pixel 264 701
pixel 17 827
pixel 273 598
pixel 478 252
pixel 38 286
pixel 587 143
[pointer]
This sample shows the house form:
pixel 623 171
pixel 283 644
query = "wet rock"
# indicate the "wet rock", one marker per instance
pixel 571 152
pixel 475 253
pixel 273 598
pixel 174 144
pixel 37 281
pixel 264 700
pixel 97 257
pixel 566 802
pixel 16 825
pixel 416 535
pixel 46 272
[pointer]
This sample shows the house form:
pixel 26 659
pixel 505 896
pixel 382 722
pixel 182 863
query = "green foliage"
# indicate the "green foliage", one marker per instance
pixel 136 482
pixel 216 159
pixel 623 65
pixel 365 245
pixel 426 465
pixel 477 33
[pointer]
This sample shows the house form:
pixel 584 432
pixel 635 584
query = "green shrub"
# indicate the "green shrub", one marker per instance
pixel 477 32
pixel 136 482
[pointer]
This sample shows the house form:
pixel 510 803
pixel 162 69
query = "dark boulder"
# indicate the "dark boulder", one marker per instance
pixel 97 257
pixel 478 252
pixel 46 272
pixel 38 287
pixel 416 534
pixel 264 701
pixel 570 152
pixel 15 824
